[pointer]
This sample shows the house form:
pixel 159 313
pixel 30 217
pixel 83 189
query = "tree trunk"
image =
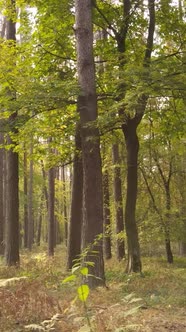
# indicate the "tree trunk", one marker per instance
pixel 1 195
pixel 74 231
pixel 107 222
pixel 118 202
pixel 25 202
pixel 182 249
pixel 44 185
pixel 132 147
pixel 168 249
pixel 65 205
pixel 51 219
pixel 38 239
pixel 12 198
pixel 167 232
pixel 92 176
pixel 30 202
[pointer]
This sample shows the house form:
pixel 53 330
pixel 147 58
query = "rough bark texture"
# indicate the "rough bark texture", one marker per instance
pixel 118 201
pixel 92 183
pixel 132 147
pixel 107 217
pixel 12 197
pixel 75 225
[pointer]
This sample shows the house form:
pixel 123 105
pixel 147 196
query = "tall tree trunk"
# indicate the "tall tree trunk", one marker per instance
pixel 12 199
pixel 167 223
pixel 58 235
pixel 51 219
pixel 30 202
pixel 107 221
pixel 118 201
pixel 1 195
pixel 92 176
pixel 25 201
pixel 2 170
pixel 132 147
pixel 75 225
pixel 44 186
pixel 39 226
pixel 129 127
pixel 65 204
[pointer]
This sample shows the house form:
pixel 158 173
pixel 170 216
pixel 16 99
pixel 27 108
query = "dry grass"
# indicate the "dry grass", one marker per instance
pixel 160 292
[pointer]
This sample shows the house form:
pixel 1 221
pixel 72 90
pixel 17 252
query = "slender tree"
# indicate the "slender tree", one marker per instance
pixel 12 199
pixel 75 225
pixel 1 195
pixel 65 204
pixel 30 200
pixel 25 201
pixel 51 218
pixel 118 201
pixel 107 216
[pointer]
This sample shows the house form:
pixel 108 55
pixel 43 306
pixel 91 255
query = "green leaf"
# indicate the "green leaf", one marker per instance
pixel 83 292
pixel 84 271
pixel 75 268
pixel 70 278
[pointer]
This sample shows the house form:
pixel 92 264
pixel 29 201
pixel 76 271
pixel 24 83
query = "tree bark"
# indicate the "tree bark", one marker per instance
pixel 1 195
pixel 12 198
pixel 118 201
pixel 167 223
pixel 25 201
pixel 132 147
pixel 65 205
pixel 39 227
pixel 30 202
pixel 92 176
pixel 75 225
pixel 107 221
pixel 51 219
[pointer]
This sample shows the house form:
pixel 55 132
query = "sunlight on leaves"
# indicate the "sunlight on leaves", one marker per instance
pixel 83 292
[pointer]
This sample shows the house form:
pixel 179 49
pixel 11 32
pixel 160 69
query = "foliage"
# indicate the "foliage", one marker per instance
pixel 42 297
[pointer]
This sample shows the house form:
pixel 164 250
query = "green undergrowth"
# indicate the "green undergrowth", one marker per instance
pixel 43 294
pixel 159 283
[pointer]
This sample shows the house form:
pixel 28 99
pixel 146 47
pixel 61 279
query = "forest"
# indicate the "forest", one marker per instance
pixel 92 165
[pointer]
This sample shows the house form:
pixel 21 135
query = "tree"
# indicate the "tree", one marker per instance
pixel 118 202
pixel 76 213
pixel 92 176
pixel 130 113
pixel 25 201
pixel 1 195
pixel 30 200
pixel 51 217
pixel 12 215
pixel 107 216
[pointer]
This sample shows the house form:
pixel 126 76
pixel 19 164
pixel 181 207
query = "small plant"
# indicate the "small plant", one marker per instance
pixel 80 274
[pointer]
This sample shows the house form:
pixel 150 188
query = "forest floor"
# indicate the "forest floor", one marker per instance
pixel 152 302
